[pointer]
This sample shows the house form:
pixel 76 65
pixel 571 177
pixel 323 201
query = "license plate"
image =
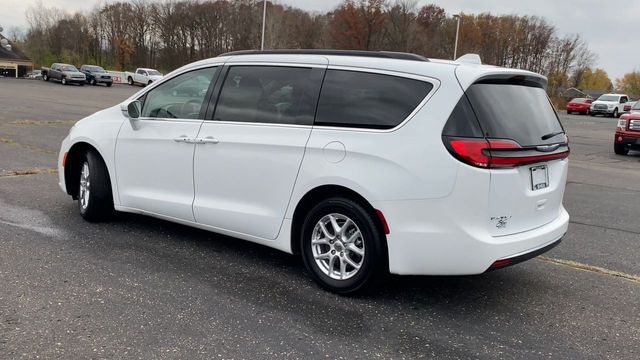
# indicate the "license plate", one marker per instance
pixel 539 177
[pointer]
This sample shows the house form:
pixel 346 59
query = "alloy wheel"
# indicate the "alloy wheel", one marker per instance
pixel 337 246
pixel 85 186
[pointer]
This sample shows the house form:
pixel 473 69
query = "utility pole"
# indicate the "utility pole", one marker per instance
pixel 455 48
pixel 264 21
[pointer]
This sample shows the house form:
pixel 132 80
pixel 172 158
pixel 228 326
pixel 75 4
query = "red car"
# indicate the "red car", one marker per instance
pixel 627 134
pixel 579 105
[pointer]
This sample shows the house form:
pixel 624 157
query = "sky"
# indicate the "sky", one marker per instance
pixel 608 28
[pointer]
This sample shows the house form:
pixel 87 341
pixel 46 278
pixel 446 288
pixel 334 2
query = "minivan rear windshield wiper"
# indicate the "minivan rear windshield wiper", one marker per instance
pixel 549 136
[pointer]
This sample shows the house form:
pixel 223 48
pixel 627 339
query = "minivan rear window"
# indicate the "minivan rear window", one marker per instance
pixel 367 100
pixel 520 113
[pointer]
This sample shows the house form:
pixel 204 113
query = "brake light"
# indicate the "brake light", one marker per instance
pixel 498 153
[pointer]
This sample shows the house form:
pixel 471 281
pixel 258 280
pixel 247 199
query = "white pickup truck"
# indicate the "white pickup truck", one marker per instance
pixel 142 76
pixel 609 105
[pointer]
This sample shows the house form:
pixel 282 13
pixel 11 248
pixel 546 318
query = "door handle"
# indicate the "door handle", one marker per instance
pixel 207 140
pixel 184 139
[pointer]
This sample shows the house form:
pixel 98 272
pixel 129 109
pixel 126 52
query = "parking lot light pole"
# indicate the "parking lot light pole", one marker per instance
pixel 455 48
pixel 264 20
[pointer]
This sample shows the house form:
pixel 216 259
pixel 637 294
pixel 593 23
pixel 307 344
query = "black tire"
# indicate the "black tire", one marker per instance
pixel 592 114
pixel 130 80
pixel 373 264
pixel 150 82
pixel 63 81
pixel 81 84
pixel 615 114
pixel 620 149
pixel 99 203
pixel 93 81
pixel 45 77
pixel 109 84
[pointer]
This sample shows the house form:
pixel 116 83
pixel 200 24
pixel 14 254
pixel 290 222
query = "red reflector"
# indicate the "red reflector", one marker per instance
pixel 385 226
pixel 64 159
pixel 502 262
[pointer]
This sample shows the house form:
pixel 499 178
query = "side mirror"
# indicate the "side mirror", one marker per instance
pixel 134 109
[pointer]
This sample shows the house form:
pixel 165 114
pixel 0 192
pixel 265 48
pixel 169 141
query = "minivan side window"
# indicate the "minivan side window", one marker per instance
pixel 269 94
pixel 180 97
pixel 368 100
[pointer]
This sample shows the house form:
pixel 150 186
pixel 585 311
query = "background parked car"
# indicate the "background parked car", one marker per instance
pixel 143 76
pixel 35 74
pixel 609 105
pixel 96 75
pixel 65 73
pixel 579 105
pixel 627 134
pixel 629 105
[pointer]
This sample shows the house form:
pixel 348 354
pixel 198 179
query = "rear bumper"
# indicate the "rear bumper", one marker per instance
pixel 516 259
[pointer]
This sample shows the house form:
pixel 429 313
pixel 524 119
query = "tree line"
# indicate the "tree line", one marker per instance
pixel 165 35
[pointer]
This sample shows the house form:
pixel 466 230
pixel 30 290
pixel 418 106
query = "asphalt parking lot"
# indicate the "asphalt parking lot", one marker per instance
pixel 143 288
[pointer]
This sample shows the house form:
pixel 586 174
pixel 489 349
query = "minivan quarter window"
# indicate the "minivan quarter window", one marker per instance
pixel 368 100
pixel 269 94
pixel 179 98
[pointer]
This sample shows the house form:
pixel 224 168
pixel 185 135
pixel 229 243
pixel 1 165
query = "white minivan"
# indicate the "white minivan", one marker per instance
pixel 364 163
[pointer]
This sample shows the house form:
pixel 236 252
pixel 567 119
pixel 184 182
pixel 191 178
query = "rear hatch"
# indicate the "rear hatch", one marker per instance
pixel 510 128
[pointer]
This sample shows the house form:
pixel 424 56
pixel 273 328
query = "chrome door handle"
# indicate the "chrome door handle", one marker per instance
pixel 208 140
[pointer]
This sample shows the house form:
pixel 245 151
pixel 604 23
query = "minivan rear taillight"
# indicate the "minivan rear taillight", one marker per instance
pixel 498 153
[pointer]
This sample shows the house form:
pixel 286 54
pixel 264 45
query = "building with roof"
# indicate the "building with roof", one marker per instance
pixel 13 62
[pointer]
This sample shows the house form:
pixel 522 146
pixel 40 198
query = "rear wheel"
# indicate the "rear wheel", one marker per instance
pixel 130 80
pixel 92 82
pixel 95 201
pixel 342 247
pixel 620 149
pixel 45 77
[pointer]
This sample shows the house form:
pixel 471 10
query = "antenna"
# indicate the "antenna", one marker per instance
pixel 470 59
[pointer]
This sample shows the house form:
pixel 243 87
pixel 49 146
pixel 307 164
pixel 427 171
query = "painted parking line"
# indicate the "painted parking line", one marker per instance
pixel 28 172
pixel 590 268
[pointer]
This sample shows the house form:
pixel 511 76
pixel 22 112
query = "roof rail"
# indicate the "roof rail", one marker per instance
pixel 363 53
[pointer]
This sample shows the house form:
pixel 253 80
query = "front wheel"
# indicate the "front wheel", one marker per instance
pixel 95 201
pixel 620 149
pixel 92 82
pixel 342 247
pixel 615 114
pixel 63 81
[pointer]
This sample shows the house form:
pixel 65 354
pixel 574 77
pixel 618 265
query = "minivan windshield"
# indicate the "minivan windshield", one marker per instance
pixel 608 98
pixel 520 113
